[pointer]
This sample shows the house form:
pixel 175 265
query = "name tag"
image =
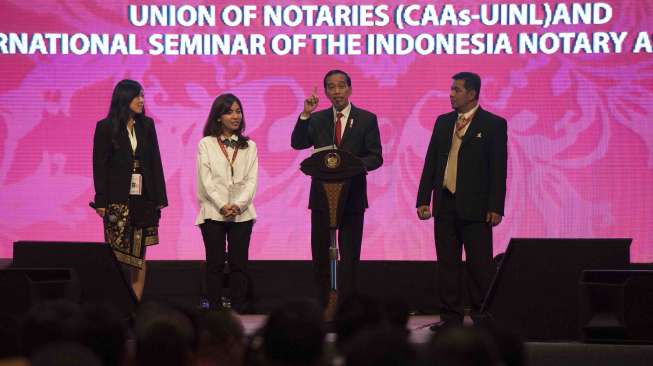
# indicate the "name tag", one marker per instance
pixel 136 188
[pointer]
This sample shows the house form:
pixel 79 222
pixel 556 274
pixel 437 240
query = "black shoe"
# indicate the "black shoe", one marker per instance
pixel 444 324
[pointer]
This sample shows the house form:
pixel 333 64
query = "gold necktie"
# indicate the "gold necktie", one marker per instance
pixel 451 171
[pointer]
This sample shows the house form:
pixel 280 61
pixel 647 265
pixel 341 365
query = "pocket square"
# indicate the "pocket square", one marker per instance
pixel 479 135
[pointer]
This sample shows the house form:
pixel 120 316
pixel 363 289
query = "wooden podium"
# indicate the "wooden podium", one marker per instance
pixel 332 170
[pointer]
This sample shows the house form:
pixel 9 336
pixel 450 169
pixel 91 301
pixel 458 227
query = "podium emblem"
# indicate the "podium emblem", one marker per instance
pixel 332 160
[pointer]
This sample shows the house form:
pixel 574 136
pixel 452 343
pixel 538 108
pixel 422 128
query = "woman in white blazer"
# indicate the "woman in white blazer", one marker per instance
pixel 227 171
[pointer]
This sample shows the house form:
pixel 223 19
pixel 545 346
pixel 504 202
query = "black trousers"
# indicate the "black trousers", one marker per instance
pixel 451 235
pixel 350 236
pixel 235 236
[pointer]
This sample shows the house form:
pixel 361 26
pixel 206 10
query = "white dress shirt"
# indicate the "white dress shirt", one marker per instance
pixel 215 184
pixel 132 138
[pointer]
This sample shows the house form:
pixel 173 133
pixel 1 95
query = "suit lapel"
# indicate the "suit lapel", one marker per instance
pixel 125 147
pixel 140 137
pixel 328 125
pixel 448 128
pixel 349 124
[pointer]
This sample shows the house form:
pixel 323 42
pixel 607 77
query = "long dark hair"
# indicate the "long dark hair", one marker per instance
pixel 119 111
pixel 222 105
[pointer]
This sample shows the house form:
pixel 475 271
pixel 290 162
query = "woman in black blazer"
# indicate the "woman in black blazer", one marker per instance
pixel 130 188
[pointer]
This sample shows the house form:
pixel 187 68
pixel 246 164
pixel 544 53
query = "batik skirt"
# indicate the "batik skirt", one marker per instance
pixel 130 227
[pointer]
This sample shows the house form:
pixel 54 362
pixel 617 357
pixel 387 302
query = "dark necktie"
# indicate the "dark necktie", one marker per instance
pixel 339 128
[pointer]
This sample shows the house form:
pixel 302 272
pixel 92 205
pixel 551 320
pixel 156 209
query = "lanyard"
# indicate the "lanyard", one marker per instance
pixel 233 157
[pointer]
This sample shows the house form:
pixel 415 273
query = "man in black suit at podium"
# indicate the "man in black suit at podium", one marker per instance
pixel 354 130
pixel 465 171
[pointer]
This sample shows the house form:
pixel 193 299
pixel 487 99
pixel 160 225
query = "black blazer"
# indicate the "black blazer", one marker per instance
pixel 482 160
pixel 361 138
pixel 112 165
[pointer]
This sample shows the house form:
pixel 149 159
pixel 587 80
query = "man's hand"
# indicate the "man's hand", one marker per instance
pixel 310 104
pixel 424 212
pixel 493 218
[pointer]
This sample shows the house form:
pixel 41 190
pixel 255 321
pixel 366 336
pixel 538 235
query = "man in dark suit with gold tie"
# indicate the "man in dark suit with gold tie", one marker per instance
pixel 465 172
pixel 354 130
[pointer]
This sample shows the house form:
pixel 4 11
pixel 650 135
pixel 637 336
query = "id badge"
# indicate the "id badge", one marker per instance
pixel 136 188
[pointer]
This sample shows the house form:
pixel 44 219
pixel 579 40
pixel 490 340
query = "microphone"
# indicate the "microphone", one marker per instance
pixel 333 142
pixel 112 218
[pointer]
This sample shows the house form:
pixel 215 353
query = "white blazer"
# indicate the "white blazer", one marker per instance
pixel 215 185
